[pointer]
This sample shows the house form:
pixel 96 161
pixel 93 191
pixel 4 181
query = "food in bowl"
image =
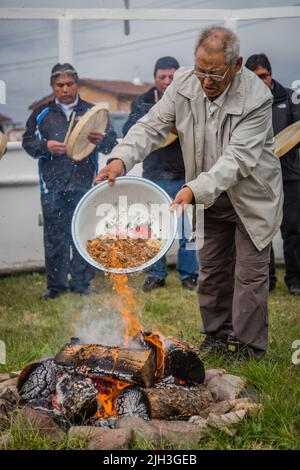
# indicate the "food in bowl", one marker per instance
pixel 123 249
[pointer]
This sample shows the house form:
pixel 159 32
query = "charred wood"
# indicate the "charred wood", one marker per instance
pixel 171 400
pixel 132 365
pixel 133 401
pixel 76 397
pixel 37 381
pixel 183 361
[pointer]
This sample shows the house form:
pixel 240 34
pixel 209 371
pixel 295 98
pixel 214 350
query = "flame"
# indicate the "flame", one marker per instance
pixel 160 352
pixel 109 390
pixel 125 303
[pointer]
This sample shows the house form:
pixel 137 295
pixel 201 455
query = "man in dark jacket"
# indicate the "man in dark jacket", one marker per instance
pixel 63 181
pixel 285 112
pixel 165 168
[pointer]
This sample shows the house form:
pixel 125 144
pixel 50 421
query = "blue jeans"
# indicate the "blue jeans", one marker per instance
pixel 62 260
pixel 187 263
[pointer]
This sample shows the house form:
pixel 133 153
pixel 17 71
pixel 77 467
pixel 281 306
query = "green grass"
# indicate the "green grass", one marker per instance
pixel 32 329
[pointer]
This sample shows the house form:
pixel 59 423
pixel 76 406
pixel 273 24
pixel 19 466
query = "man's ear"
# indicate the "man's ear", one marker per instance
pixel 238 64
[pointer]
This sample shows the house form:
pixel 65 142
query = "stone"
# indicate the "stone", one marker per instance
pixel 199 421
pixel 226 386
pixel 179 433
pixel 31 419
pixel 8 375
pixel 82 432
pixel 142 430
pixel 210 373
pixel 7 383
pixel 226 421
pixel 6 440
pixel 111 439
pixel 8 401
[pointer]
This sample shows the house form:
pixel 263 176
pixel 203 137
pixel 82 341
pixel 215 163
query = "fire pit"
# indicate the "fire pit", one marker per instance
pixel 93 384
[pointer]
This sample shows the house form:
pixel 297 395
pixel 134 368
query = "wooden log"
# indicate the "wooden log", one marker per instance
pixel 132 365
pixel 173 400
pixel 183 361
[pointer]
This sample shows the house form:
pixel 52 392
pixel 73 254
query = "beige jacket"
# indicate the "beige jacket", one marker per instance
pixel 247 167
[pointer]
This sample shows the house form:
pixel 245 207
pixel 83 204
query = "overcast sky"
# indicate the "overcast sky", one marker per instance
pixel 29 48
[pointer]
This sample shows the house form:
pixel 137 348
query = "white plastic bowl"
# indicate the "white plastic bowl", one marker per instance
pixel 100 202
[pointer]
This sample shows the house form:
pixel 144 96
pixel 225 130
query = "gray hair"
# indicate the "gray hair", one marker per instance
pixel 216 38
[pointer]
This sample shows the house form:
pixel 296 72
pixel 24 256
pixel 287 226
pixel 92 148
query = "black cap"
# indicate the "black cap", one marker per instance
pixel 167 62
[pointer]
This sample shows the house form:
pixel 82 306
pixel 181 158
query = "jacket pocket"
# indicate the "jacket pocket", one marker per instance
pixel 265 187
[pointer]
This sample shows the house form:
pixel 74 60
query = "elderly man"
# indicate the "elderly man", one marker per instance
pixel 223 115
pixel 166 169
pixel 63 181
pixel 285 112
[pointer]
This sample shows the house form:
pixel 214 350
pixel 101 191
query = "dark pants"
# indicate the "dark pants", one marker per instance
pixel 233 279
pixel 290 231
pixel 61 257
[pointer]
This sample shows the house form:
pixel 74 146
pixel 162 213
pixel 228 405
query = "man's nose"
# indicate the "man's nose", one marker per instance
pixel 207 80
pixel 167 81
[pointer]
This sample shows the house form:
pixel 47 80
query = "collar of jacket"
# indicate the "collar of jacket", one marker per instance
pixel 81 105
pixel 235 99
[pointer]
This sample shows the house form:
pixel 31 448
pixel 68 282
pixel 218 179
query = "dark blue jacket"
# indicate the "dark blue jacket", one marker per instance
pixel 164 163
pixel 61 173
pixel 285 112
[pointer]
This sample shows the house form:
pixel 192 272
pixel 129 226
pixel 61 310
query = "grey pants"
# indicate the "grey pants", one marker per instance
pixel 233 279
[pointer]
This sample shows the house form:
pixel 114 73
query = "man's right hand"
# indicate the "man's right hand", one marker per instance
pixel 56 148
pixel 111 172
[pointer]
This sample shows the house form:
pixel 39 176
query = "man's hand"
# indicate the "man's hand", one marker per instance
pixel 111 172
pixel 95 137
pixel 56 148
pixel 183 197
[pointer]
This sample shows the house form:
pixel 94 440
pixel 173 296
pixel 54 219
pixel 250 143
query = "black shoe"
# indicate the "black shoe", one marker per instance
pixel 213 344
pixel 294 289
pixel 153 283
pixel 51 294
pixel 190 283
pixel 240 352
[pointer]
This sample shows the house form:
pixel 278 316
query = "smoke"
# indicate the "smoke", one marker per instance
pixel 100 327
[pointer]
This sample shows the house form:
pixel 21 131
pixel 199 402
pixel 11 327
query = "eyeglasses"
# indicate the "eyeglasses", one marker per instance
pixel 263 76
pixel 212 76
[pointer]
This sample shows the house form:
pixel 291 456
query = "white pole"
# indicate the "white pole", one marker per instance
pixel 65 40
pixel 231 23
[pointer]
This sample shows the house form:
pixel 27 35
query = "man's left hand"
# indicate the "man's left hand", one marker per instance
pixel 184 197
pixel 95 137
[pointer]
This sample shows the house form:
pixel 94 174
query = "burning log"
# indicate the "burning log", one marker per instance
pixel 173 400
pixel 183 361
pixel 176 358
pixel 76 398
pixel 37 381
pixel 133 402
pixel 131 365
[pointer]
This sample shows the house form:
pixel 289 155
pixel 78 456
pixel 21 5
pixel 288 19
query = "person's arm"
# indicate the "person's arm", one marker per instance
pixel 35 148
pixel 147 135
pixel 109 140
pixel 239 158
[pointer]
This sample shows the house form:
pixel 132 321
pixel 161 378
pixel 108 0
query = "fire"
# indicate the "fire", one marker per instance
pixel 160 352
pixel 109 390
pixel 125 303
